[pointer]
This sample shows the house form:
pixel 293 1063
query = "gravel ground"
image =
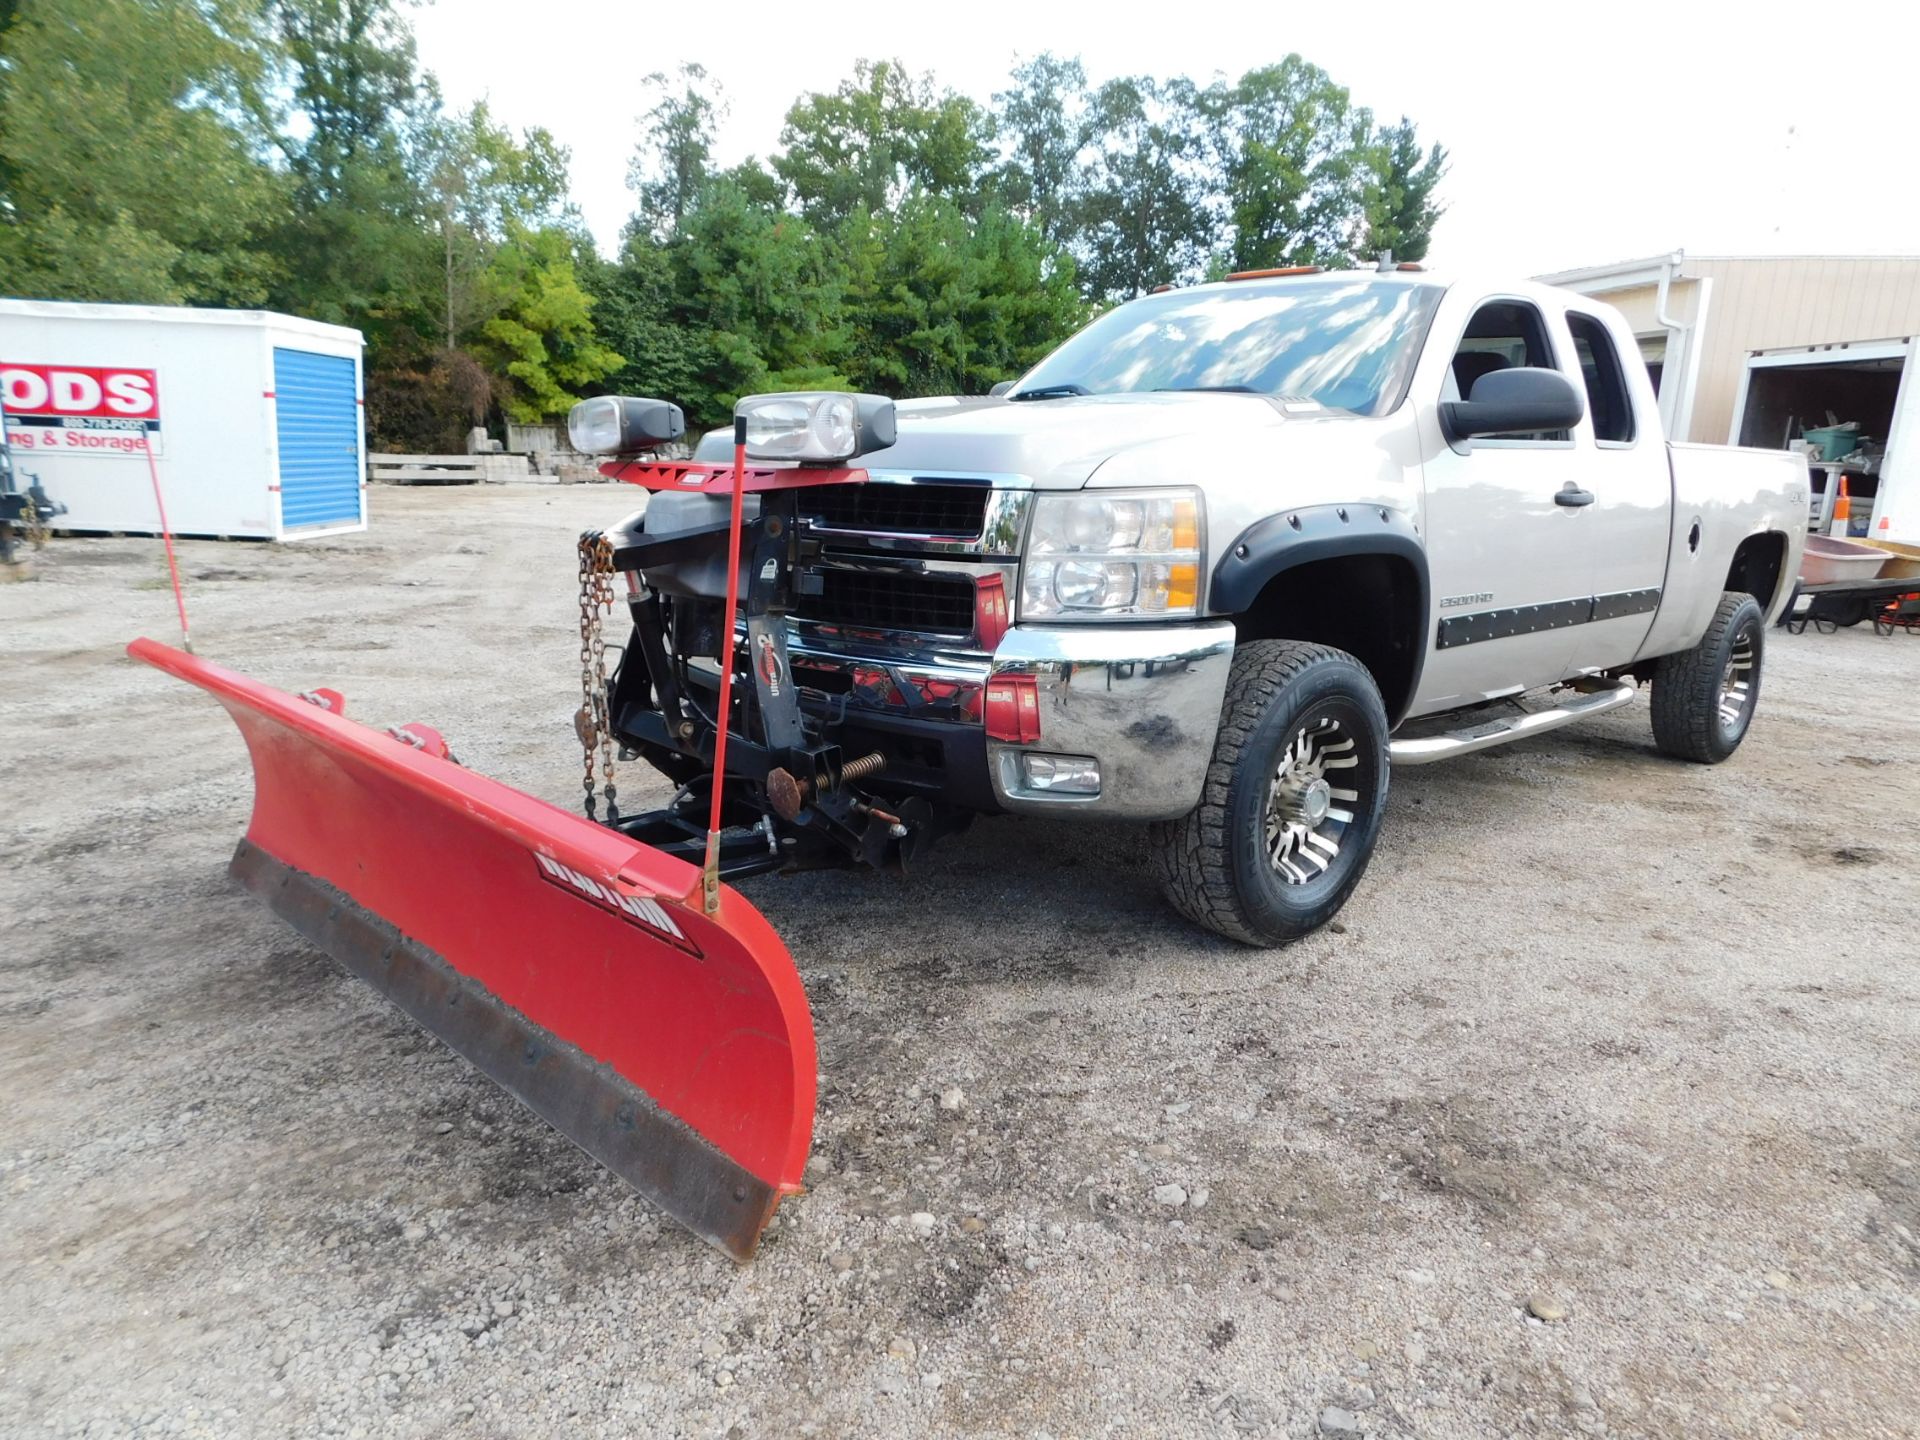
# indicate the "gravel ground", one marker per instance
pixel 1598 1113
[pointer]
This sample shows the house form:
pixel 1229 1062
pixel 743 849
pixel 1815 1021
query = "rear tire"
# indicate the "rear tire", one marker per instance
pixel 1292 801
pixel 1704 698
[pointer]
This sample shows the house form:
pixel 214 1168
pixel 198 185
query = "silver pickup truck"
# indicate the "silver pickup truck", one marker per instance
pixel 1226 557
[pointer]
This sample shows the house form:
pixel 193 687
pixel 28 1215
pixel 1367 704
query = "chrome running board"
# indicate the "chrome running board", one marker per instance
pixel 1488 733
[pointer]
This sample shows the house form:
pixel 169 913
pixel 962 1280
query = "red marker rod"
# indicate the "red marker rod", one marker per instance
pixel 166 534
pixel 710 873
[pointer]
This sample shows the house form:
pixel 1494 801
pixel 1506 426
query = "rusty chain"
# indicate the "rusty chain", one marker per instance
pixel 32 527
pixel 593 722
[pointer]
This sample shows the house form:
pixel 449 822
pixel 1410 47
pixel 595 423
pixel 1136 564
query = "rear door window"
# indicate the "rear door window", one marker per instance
pixel 1607 401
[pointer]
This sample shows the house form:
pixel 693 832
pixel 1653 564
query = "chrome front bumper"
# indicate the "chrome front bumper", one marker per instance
pixel 1143 701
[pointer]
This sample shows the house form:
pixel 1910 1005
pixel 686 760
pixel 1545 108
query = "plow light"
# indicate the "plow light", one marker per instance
pixel 815 427
pixel 620 424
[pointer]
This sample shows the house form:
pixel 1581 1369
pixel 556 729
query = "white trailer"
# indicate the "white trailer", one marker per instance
pixel 252 420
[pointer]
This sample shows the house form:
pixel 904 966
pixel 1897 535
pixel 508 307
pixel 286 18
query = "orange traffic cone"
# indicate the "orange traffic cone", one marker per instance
pixel 1842 512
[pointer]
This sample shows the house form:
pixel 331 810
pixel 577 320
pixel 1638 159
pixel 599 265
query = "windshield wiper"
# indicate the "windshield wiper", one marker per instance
pixel 1213 389
pixel 1050 392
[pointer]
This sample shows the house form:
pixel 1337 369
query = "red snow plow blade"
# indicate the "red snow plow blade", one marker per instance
pixel 573 965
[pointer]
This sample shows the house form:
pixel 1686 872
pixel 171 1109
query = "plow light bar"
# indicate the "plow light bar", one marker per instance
pixel 815 427
pixel 620 424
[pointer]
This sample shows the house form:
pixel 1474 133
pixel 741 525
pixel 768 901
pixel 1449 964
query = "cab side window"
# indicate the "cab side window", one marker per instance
pixel 1501 335
pixel 1607 400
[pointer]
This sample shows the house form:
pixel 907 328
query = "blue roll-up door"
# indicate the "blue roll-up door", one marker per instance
pixel 319 422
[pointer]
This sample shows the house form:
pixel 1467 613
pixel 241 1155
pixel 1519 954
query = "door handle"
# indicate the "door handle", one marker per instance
pixel 1572 496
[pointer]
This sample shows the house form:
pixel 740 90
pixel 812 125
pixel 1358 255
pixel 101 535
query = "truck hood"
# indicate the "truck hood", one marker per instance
pixel 1057 444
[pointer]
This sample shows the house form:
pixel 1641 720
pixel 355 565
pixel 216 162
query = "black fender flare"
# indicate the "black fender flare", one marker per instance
pixel 1292 538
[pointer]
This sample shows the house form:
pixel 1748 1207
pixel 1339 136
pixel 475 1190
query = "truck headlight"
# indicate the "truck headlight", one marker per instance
pixel 1114 554
pixel 815 427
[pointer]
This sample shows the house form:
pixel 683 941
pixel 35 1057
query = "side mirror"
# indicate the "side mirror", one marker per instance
pixel 1002 388
pixel 1519 400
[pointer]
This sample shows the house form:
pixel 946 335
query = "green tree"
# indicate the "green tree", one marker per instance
pixel 909 287
pixel 764 291
pixel 670 165
pixel 1398 206
pixel 132 134
pixel 541 337
pixel 359 247
pixel 941 303
pixel 879 137
pixel 483 185
pixel 1028 298
pixel 636 311
pixel 1144 218
pixel 1042 124
pixel 353 75
pixel 757 184
pixel 1291 148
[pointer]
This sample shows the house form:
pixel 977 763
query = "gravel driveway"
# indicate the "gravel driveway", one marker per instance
pixel 1599 1113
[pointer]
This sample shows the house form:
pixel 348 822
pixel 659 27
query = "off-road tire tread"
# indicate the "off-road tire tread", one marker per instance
pixel 1686 688
pixel 1191 855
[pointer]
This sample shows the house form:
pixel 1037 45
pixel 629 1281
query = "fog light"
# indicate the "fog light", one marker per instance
pixel 1061 774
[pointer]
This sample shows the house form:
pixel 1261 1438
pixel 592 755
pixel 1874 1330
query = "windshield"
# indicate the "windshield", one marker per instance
pixel 1350 346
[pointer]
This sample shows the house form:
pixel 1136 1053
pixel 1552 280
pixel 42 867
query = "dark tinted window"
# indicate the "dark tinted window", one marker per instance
pixel 1607 400
pixel 1501 336
pixel 1348 344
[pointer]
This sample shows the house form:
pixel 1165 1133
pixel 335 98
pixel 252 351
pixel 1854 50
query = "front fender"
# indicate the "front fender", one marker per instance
pixel 1293 538
pixel 1314 533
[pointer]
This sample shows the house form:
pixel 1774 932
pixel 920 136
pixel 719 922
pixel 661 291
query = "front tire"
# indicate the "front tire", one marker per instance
pixel 1704 698
pixel 1292 801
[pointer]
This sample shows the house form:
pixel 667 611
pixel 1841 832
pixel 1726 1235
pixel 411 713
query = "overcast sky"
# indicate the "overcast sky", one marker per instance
pixel 1580 133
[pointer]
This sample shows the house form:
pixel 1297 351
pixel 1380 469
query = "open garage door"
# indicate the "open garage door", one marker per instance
pixel 1788 396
